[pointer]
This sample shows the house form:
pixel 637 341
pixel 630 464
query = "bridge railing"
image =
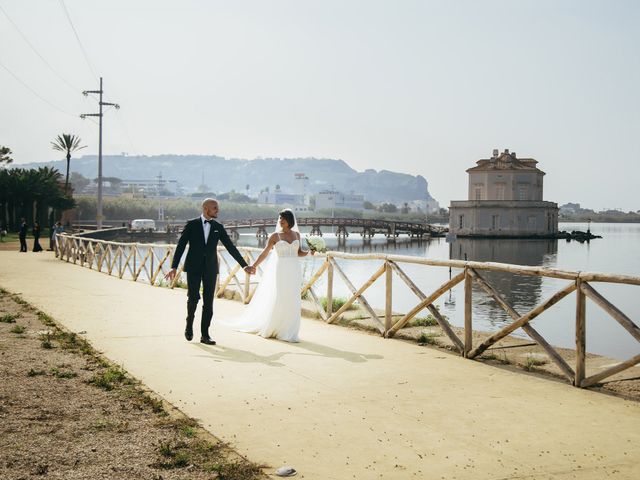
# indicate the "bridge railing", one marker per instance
pixel 150 262
pixel 342 222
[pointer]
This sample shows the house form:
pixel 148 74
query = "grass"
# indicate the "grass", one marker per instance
pixel 429 321
pixel 496 358
pixel 45 341
pixel 531 363
pixel 9 237
pixel 188 432
pixel 18 329
pixel 108 378
pixel 427 339
pixel 46 319
pixel 56 372
pixel 337 303
pixel 70 341
pixel 9 317
pixel 19 300
pixel 155 404
pixel 176 455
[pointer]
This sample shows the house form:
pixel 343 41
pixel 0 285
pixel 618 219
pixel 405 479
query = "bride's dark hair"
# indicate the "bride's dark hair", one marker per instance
pixel 289 217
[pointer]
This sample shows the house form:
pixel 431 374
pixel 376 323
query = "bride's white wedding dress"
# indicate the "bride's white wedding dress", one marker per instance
pixel 274 310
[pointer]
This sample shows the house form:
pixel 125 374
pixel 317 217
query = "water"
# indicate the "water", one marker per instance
pixel 617 252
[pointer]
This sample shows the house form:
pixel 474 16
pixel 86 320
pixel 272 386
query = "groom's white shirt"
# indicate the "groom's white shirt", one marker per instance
pixel 206 226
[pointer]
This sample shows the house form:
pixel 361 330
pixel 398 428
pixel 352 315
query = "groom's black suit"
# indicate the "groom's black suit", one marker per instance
pixel 201 266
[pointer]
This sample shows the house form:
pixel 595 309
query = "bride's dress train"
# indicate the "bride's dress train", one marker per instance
pixel 274 310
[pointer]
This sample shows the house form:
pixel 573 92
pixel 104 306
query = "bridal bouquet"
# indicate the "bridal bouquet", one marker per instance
pixel 316 244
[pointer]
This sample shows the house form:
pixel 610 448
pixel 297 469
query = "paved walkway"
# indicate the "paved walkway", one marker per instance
pixel 341 404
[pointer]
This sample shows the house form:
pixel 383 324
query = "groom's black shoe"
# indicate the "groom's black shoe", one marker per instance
pixel 207 341
pixel 188 332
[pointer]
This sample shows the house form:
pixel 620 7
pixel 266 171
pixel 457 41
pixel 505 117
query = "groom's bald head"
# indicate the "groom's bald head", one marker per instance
pixel 210 208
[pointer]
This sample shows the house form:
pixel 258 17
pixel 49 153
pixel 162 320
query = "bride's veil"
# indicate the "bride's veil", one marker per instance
pixel 252 319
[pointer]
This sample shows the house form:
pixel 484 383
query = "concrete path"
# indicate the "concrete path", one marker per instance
pixel 341 404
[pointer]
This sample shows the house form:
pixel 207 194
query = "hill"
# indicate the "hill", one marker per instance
pixel 222 175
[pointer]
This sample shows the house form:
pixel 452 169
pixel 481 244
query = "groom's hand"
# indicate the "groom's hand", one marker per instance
pixel 171 275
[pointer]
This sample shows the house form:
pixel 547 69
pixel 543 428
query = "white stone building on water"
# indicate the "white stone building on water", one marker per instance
pixel 505 200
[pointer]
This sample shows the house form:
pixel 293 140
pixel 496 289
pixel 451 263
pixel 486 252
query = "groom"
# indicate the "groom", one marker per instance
pixel 201 265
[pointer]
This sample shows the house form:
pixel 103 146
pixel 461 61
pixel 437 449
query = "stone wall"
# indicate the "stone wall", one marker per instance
pixel 493 218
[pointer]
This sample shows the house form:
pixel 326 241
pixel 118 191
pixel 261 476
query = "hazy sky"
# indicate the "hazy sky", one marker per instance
pixel 422 87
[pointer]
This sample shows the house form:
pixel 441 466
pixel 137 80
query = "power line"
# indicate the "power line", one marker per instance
pixel 126 131
pixel 24 37
pixel 84 52
pixel 34 92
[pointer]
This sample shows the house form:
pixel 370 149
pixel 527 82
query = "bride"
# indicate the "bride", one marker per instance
pixel 274 310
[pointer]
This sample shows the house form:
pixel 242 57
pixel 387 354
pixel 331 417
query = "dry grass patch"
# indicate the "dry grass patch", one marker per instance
pixel 67 412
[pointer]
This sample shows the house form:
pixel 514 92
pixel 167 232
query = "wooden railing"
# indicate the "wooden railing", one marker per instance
pixel 150 262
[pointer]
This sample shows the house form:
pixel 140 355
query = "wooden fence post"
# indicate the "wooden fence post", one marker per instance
pixel 247 282
pixel 329 287
pixel 581 337
pixel 388 310
pixel 150 272
pixel 468 299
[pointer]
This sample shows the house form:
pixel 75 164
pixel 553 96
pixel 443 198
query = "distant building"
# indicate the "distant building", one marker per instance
pixel 504 200
pixel 302 185
pixel 424 206
pixel 278 197
pixel 152 188
pixel 570 208
pixel 329 199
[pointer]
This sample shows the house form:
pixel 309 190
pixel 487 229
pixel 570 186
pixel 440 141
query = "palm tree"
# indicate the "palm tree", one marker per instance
pixel 67 143
pixel 30 194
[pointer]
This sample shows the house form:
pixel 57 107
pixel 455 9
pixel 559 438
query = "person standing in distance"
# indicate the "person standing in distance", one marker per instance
pixel 22 235
pixel 201 265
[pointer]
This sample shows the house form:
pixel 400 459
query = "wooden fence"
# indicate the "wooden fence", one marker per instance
pixel 150 262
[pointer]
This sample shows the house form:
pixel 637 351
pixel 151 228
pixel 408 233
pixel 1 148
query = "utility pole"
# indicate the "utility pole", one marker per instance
pixel 99 114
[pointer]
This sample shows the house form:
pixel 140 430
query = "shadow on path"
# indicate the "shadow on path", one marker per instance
pixel 223 353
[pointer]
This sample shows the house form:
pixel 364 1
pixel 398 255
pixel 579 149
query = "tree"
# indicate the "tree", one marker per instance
pixel 78 182
pixel 68 144
pixel 388 208
pixel 30 194
pixel 4 155
pixel 367 205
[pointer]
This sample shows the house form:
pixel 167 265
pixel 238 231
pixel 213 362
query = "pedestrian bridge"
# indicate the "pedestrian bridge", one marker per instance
pixel 342 227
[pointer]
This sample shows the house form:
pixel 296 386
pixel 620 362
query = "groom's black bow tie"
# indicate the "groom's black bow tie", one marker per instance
pixel 210 222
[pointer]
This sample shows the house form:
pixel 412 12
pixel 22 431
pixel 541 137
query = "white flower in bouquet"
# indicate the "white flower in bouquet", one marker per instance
pixel 316 244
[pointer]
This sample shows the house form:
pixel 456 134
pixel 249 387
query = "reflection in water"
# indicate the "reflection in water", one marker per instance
pixel 355 244
pixel 522 292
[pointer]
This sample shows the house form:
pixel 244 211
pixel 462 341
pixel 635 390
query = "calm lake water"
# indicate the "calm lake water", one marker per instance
pixel 617 252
